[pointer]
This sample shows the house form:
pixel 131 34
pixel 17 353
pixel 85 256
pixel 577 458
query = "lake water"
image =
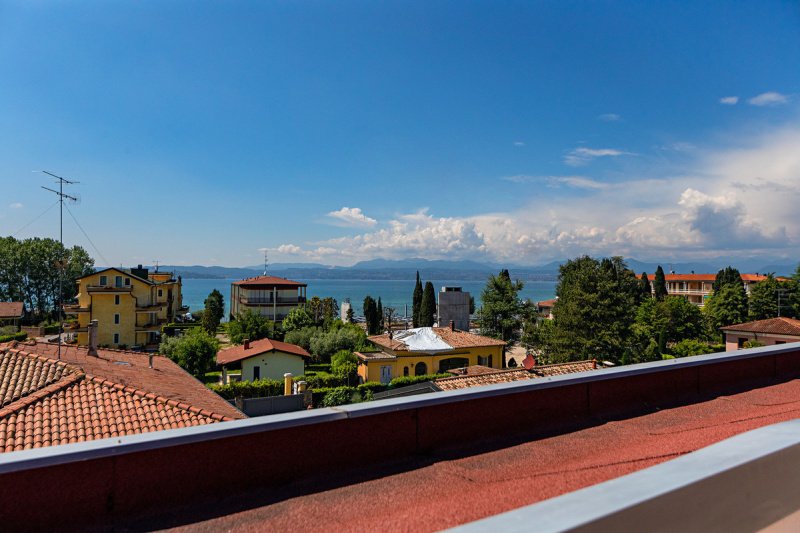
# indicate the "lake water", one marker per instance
pixel 393 293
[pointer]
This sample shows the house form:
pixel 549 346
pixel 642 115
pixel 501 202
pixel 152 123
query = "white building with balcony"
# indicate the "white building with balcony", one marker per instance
pixel 269 296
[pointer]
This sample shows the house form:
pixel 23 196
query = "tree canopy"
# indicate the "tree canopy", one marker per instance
pixel 416 302
pixel 298 318
pixel 660 284
pixel 252 326
pixel 502 311
pixel 427 309
pixel 770 298
pixel 213 312
pixel 645 288
pixel 728 302
pixel 195 351
pixel 371 316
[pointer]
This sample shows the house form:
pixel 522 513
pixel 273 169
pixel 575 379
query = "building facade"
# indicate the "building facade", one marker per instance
pixel 453 306
pixel 264 359
pixel 780 330
pixel 269 296
pixel 696 288
pixel 130 306
pixel 421 351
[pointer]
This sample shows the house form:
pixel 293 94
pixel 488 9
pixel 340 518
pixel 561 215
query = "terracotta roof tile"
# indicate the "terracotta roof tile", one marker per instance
pixel 11 309
pixel 455 338
pixel 776 326
pixel 76 407
pixel 21 375
pixel 131 369
pixel 477 380
pixel 563 368
pixel 269 280
pixel 238 353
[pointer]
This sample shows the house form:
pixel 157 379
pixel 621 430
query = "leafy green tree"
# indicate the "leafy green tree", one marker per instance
pixel 645 288
pixel 297 318
pixel 594 311
pixel 726 306
pixel 371 315
pixel 794 293
pixel 417 302
pixel 252 326
pixel 727 276
pixel 770 298
pixel 669 321
pixel 322 310
pixel 340 336
pixel 195 351
pixel 502 311
pixel 213 312
pixel 427 309
pixel 345 364
pixel 350 315
pixel 688 347
pixel 302 337
pixel 660 284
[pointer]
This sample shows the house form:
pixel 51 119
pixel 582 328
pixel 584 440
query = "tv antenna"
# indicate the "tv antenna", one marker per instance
pixel 266 262
pixel 155 262
pixel 60 265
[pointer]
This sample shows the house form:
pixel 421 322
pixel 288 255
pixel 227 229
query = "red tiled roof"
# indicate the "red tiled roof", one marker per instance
pixel 485 378
pixel 558 369
pixel 455 338
pixel 269 280
pixel 238 353
pixel 131 369
pixel 375 356
pixel 11 309
pixel 547 303
pixel 712 277
pixel 76 407
pixel 776 326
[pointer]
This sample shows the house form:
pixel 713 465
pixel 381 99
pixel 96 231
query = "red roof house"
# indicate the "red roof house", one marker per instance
pixel 780 330
pixel 265 359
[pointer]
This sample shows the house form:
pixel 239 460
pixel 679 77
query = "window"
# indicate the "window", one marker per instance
pixel 160 293
pixel 118 281
pixel 420 369
pixel 127 282
pixel 740 342
pixel 116 318
pixel 103 281
pixel 780 342
pixel 405 371
pixel 456 362
pixel 116 299
pixel 116 338
pixel 256 372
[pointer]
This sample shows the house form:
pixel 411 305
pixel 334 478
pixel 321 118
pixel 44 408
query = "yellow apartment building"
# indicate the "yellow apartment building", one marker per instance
pixel 130 306
pixel 696 288
pixel 420 351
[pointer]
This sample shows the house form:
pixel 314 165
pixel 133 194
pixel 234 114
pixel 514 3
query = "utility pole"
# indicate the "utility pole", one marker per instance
pixel 61 196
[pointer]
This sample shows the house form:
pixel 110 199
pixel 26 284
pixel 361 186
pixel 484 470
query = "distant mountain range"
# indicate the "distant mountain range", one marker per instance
pixel 405 269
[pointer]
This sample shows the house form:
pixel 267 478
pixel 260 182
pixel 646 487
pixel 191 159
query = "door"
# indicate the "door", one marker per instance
pixel 386 374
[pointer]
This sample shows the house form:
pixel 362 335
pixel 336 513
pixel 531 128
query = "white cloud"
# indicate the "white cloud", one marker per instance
pixel 519 143
pixel 726 202
pixel 609 117
pixel 582 156
pixel 16 205
pixel 292 249
pixel 352 216
pixel 729 100
pixel 768 99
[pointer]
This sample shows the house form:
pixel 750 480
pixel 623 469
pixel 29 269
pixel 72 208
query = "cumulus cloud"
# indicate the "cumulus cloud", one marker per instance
pixel 609 117
pixel 582 156
pixel 291 249
pixel 16 205
pixel 729 100
pixel 768 99
pixel 351 216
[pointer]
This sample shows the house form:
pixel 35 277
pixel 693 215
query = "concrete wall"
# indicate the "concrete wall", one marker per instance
pixel 454 306
pixel 273 366
pixel 99 484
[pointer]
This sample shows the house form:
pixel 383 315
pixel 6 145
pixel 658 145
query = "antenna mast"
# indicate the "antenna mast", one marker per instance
pixel 61 196
pixel 266 263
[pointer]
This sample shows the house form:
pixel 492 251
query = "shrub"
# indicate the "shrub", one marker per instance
pixel 371 387
pixel 302 336
pixel 319 380
pixel 259 388
pixel 21 336
pixel 338 396
pixel 195 352
pixel 340 337
pixel 689 347
pixel 344 364
pixel 753 344
pixel 404 381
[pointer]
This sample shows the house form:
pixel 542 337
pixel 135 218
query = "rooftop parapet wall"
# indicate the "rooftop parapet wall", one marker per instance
pixel 105 482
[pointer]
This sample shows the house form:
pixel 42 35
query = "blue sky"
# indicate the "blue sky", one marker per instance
pixel 516 132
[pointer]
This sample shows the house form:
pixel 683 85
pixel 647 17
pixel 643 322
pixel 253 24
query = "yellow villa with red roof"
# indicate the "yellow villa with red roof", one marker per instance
pixel 421 351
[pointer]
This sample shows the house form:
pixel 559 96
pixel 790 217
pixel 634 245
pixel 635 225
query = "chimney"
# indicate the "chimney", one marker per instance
pixel 92 337
pixel 594 364
pixel 452 325
pixel 247 344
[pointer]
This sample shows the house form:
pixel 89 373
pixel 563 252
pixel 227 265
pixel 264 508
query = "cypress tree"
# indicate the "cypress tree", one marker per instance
pixel 644 285
pixel 660 284
pixel 427 308
pixel 371 315
pixel 417 302
pixel 379 312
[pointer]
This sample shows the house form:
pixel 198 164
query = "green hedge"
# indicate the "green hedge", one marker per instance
pixel 404 381
pixel 249 389
pixel 51 330
pixel 21 336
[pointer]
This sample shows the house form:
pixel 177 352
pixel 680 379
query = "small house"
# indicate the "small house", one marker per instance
pixel 264 359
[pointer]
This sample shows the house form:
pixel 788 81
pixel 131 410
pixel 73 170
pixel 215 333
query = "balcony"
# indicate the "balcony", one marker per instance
pixel 108 288
pixel 269 301
pixel 149 308
pixel 74 309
